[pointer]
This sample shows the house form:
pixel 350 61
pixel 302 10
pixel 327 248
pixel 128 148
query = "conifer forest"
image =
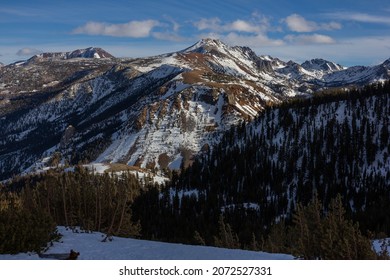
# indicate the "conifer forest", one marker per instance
pixel 304 177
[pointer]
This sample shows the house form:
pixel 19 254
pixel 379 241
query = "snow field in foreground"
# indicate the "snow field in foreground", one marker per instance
pixel 91 247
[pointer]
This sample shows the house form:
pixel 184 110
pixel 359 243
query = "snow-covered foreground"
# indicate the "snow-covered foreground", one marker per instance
pixel 377 244
pixel 91 247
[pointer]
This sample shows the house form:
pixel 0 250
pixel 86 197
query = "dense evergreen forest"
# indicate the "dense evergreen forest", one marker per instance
pixel 336 143
pixel 31 206
pixel 305 177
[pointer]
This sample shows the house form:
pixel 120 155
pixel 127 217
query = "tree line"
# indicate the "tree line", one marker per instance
pixel 255 178
pixel 303 178
pixel 31 206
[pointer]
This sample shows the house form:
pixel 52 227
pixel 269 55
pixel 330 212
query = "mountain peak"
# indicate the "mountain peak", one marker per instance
pixel 386 63
pixel 206 45
pixel 90 52
pixel 320 64
pixel 149 112
pixel 209 42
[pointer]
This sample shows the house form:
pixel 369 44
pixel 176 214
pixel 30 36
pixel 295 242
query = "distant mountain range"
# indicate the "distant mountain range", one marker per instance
pixel 154 112
pixel 83 53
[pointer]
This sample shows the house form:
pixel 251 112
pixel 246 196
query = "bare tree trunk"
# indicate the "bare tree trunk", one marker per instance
pixel 109 232
pixel 48 197
pixel 122 214
pixel 64 201
pixel 100 211
pixel 96 209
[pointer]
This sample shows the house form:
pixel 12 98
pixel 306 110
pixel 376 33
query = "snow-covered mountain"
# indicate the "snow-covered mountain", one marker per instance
pixel 153 112
pixel 319 64
pixel 358 75
pixel 81 53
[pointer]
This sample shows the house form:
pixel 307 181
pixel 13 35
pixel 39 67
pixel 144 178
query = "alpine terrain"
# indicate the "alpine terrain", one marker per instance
pixel 153 113
pixel 213 145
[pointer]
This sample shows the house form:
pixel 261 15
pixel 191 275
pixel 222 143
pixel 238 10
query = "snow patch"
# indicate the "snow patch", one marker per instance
pixel 91 248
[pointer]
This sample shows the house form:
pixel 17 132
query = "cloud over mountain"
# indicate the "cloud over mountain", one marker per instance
pixel 297 23
pixel 217 25
pixel 28 52
pixel 133 29
pixel 310 39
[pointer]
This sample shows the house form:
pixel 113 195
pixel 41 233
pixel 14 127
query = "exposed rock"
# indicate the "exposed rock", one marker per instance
pixel 148 112
pixel 66 138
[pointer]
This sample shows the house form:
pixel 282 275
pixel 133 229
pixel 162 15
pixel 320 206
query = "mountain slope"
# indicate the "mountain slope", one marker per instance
pixel 358 75
pixel 153 112
pixel 260 171
pixel 81 53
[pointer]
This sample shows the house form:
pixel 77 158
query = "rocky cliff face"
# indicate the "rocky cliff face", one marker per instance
pixel 154 112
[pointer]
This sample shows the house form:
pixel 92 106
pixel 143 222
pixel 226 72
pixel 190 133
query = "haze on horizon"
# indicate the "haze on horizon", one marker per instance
pixel 347 32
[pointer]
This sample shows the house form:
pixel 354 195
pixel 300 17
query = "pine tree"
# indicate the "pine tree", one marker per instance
pixel 198 239
pixel 341 238
pixel 226 237
pixel 278 240
pixel 307 230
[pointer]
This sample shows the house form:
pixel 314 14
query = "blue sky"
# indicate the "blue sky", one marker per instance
pixel 345 31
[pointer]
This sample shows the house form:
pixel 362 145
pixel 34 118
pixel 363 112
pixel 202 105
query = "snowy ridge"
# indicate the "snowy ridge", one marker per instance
pixel 81 53
pixel 153 112
pixel 319 64
pixel 359 75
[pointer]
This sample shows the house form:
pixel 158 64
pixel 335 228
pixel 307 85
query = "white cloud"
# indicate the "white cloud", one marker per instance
pixel 310 39
pixel 175 25
pixel 236 39
pixel 133 29
pixel 28 52
pixel 213 24
pixel 258 40
pixel 360 17
pixel 243 26
pixel 330 26
pixel 239 25
pixel 169 30
pixel 297 23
